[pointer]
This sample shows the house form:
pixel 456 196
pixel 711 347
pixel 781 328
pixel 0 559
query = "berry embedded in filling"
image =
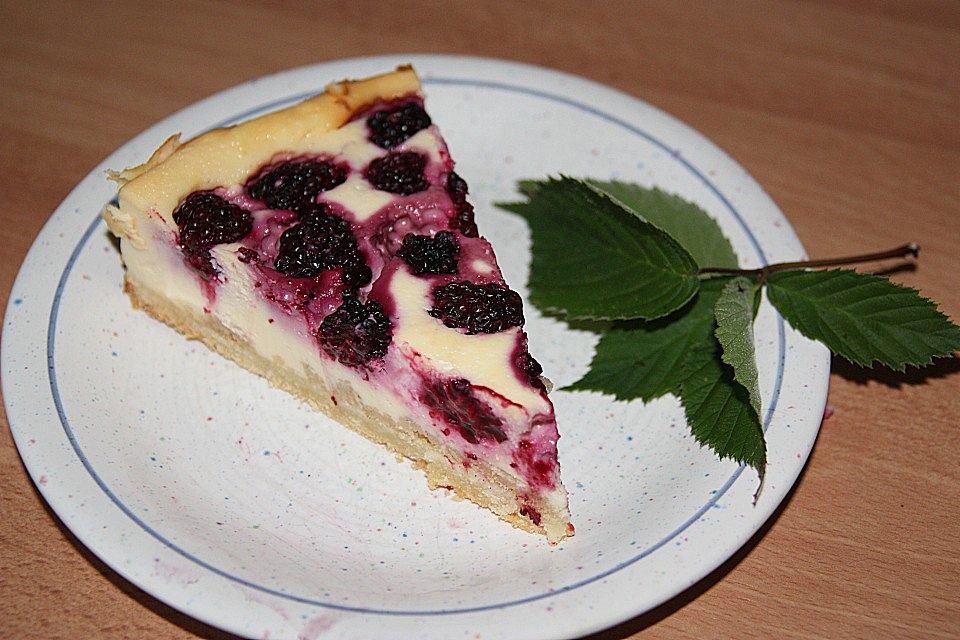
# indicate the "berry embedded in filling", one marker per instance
pixel 321 241
pixel 454 403
pixel 530 368
pixel 295 185
pixel 463 220
pixel 478 308
pixel 355 333
pixel 428 255
pixel 205 220
pixel 390 127
pixel 400 173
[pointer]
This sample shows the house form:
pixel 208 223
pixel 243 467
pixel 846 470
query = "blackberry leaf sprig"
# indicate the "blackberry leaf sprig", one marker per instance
pixel 631 274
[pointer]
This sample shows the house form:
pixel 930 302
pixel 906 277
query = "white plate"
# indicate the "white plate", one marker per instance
pixel 229 501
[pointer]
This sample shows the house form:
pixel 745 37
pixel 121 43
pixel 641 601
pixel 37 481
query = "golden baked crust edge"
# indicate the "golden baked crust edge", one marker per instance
pixel 178 168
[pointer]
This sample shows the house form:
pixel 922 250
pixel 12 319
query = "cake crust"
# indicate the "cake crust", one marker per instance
pixel 242 149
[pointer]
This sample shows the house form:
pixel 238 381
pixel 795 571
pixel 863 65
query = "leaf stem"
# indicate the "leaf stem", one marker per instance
pixel 761 273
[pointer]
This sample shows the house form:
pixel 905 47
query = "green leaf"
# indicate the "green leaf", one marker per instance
pixel 864 318
pixel 734 312
pixel 686 223
pixel 529 187
pixel 679 354
pixel 645 359
pixel 593 259
pixel 719 411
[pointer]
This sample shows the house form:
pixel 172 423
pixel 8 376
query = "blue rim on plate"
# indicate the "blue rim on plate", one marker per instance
pixel 440 79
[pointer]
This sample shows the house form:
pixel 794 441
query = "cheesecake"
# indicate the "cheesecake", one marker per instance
pixel 331 248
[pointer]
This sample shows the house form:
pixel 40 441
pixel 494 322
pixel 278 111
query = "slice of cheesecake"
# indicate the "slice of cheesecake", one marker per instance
pixel 330 248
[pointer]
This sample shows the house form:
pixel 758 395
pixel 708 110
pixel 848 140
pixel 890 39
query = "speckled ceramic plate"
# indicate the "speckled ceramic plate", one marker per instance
pixel 232 502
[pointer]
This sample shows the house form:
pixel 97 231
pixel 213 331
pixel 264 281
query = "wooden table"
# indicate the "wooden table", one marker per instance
pixel 847 113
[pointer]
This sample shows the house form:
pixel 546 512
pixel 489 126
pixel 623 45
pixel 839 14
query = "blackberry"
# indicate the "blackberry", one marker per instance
pixel 531 368
pixel 321 241
pixel 390 127
pixel 425 255
pixel 204 220
pixel 463 221
pixel 400 173
pixel 356 333
pixel 296 185
pixel 478 308
pixel 453 402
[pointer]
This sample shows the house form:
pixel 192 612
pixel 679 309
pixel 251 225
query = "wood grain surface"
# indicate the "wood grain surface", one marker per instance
pixel 848 114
